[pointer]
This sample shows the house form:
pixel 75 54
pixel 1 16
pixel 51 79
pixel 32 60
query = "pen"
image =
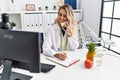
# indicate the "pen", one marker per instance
pixel 75 62
pixel 58 49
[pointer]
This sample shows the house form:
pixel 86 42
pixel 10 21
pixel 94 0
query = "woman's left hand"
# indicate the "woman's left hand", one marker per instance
pixel 68 29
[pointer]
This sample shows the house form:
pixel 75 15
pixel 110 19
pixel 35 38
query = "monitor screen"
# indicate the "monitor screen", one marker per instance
pixel 21 48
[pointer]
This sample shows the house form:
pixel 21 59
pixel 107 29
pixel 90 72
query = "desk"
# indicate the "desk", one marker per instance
pixel 111 66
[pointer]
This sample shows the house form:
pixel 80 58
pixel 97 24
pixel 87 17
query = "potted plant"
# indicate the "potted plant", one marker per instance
pixel 13 24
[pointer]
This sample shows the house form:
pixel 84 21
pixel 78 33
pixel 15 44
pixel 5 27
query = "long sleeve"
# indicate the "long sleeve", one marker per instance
pixel 47 45
pixel 73 40
pixel 72 44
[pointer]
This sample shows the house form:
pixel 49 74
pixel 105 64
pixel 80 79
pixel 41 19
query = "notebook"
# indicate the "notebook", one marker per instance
pixel 71 59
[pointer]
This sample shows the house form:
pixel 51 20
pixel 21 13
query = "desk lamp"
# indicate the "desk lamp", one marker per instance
pixel 5 24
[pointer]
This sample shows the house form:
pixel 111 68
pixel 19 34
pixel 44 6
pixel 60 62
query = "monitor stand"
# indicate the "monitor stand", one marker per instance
pixel 18 76
pixel 8 75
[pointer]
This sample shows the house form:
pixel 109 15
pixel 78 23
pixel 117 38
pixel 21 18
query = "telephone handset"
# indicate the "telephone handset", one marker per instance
pixel 62 24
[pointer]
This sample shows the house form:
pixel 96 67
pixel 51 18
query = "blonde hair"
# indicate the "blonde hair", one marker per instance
pixel 70 14
pixel 71 19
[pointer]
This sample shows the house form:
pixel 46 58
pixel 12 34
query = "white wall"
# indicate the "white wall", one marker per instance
pixel 21 4
pixel 91 9
pixel 91 13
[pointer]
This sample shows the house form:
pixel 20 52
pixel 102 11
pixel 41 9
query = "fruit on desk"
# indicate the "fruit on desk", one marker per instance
pixel 88 63
pixel 91 51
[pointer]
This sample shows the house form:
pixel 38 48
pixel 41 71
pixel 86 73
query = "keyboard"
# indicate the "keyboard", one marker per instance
pixel 46 67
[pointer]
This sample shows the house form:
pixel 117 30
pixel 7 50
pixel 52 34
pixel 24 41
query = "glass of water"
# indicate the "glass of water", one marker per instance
pixel 98 58
pixel 88 39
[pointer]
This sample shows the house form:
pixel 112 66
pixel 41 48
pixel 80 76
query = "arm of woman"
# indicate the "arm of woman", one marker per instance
pixel 73 43
pixel 47 44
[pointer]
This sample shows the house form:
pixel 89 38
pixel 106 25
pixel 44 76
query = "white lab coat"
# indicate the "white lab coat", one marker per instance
pixel 52 41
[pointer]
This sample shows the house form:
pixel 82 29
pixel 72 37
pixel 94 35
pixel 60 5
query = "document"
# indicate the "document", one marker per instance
pixel 71 59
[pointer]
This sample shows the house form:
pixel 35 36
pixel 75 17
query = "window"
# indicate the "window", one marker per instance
pixel 110 23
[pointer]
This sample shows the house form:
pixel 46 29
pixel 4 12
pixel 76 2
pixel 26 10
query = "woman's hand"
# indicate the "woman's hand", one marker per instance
pixel 68 30
pixel 61 56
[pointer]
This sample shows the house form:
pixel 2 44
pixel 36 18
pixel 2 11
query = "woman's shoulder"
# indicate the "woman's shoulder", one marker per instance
pixel 55 26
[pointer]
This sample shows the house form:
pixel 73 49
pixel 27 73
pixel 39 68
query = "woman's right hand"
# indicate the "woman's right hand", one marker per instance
pixel 61 56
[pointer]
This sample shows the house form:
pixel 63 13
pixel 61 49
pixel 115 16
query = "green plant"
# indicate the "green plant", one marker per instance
pixel 13 24
pixel 91 46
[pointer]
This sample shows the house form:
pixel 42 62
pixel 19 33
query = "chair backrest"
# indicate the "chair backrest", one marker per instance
pixel 86 33
pixel 81 34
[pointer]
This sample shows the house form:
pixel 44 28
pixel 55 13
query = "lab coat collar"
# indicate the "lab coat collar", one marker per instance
pixel 57 27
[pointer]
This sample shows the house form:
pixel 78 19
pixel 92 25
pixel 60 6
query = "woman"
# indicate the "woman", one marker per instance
pixel 63 35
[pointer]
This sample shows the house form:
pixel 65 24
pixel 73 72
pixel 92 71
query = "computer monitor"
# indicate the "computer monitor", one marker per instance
pixel 20 49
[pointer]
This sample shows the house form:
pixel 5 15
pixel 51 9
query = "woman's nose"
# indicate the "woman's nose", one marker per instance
pixel 62 17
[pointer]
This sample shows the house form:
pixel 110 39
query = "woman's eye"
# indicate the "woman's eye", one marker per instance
pixel 65 16
pixel 60 14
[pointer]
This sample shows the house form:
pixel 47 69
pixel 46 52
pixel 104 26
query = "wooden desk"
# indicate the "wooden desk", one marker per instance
pixel 110 69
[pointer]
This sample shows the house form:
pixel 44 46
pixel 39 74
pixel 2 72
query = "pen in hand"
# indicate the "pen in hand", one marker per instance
pixel 61 55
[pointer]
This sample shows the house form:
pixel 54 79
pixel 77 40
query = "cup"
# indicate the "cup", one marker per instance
pixel 46 7
pixel 39 8
pixel 98 58
pixel 87 40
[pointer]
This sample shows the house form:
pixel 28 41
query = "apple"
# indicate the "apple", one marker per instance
pixel 88 63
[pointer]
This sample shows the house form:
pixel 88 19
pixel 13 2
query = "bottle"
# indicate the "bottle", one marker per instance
pixel 5 24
